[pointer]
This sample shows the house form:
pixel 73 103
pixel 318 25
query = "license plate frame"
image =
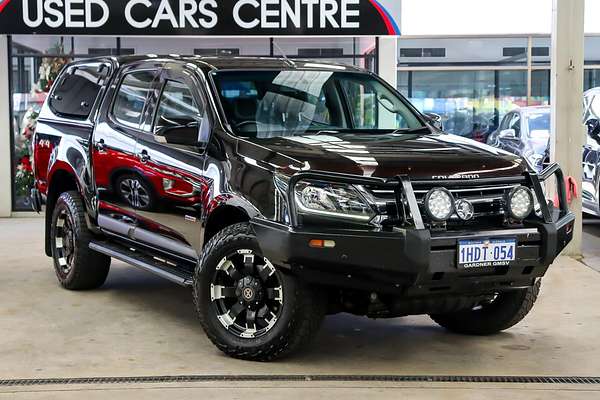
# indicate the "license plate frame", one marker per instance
pixel 486 253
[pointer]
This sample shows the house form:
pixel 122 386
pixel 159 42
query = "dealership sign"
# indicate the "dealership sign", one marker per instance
pixel 200 17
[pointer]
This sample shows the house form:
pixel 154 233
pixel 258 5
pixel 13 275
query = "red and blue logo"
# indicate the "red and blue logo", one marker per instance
pixel 390 23
pixel 3 3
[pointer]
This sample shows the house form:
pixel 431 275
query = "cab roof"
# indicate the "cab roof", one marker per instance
pixel 239 62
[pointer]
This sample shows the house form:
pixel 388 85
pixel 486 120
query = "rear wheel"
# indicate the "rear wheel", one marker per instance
pixel 77 267
pixel 248 308
pixel 498 313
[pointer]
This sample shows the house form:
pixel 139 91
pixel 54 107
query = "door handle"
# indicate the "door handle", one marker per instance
pixel 144 156
pixel 100 145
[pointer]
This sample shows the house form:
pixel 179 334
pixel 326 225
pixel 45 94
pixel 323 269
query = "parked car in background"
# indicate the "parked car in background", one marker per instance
pixel 525 132
pixel 591 175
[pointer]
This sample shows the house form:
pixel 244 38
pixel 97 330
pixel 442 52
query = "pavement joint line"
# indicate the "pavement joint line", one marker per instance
pixel 557 380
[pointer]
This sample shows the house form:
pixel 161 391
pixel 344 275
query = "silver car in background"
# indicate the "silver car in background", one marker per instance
pixel 526 132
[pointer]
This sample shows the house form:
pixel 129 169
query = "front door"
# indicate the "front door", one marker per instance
pixel 172 156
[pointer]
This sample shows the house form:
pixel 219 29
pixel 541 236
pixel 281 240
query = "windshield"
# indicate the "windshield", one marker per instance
pixel 266 104
pixel 539 125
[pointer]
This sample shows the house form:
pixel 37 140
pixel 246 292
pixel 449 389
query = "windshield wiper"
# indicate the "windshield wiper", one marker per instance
pixel 411 130
pixel 326 132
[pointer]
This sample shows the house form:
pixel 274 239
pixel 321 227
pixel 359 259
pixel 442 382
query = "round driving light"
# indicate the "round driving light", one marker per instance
pixel 520 202
pixel 439 204
pixel 464 209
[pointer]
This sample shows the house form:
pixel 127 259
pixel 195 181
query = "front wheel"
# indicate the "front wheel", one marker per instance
pixel 500 312
pixel 247 307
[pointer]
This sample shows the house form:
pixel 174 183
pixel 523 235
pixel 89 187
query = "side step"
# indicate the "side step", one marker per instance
pixel 155 265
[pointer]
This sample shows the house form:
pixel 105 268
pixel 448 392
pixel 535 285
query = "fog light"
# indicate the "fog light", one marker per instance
pixel 464 209
pixel 439 204
pixel 520 202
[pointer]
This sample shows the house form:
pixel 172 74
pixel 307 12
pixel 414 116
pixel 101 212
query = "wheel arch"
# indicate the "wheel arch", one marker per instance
pixel 221 217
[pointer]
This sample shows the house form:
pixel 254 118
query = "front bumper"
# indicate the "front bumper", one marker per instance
pixel 417 261
pixel 410 262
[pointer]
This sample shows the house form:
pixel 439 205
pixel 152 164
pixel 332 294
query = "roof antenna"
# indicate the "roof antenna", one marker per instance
pixel 285 57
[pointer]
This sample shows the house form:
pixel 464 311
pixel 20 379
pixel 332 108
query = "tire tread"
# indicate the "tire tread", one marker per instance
pixel 513 309
pixel 91 268
pixel 307 315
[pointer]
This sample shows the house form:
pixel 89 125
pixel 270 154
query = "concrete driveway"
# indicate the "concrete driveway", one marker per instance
pixel 140 325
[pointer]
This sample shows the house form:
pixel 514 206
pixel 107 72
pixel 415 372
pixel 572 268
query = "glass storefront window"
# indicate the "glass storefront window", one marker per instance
pixel 470 82
pixel 470 102
pixel 540 87
pixel 463 51
pixel 591 77
pixel 464 99
pixel 36 61
pixel 197 46
pixel 353 51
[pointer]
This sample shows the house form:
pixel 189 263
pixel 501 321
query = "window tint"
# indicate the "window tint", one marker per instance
pixel 372 106
pixel 179 118
pixel 177 107
pixel 131 98
pixel 76 92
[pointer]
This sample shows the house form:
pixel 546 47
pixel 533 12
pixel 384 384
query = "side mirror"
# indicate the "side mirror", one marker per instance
pixel 593 126
pixel 435 120
pixel 193 133
pixel 508 134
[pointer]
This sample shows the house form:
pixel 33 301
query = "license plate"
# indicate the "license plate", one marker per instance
pixel 486 253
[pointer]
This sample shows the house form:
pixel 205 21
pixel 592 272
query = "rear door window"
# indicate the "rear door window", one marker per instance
pixel 132 96
pixel 78 89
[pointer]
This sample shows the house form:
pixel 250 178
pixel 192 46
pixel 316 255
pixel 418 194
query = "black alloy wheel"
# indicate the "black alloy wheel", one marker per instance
pixel 249 308
pixel 247 294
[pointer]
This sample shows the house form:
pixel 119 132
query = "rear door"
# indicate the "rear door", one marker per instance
pixel 172 156
pixel 117 169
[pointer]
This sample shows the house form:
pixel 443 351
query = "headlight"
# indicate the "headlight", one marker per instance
pixel 332 200
pixel 520 202
pixel 439 204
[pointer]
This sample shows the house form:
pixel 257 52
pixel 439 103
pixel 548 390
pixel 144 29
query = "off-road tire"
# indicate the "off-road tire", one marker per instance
pixel 507 310
pixel 88 269
pixel 303 308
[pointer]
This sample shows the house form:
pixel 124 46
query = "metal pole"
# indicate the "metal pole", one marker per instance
pixel 387 62
pixel 5 131
pixel 529 69
pixel 567 98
